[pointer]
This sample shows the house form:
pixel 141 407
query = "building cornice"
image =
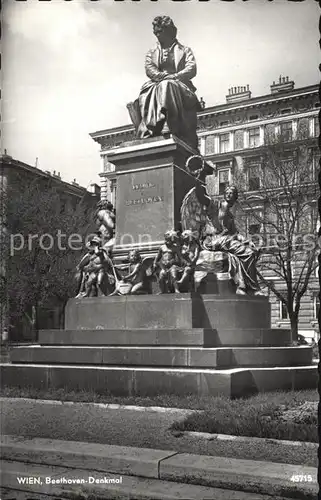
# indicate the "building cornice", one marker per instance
pixel 261 100
pixel 220 109
pixel 260 122
pixel 8 162
pixel 260 150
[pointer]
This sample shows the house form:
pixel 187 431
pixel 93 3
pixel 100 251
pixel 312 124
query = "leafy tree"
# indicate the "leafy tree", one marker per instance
pixel 40 221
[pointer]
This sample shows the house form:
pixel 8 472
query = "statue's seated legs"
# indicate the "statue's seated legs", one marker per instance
pixel 212 272
pixel 137 289
pixel 225 268
pixel 91 285
pixel 168 280
pixel 165 107
pixel 187 278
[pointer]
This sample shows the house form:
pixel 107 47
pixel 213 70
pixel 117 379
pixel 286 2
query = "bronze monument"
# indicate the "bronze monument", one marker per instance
pixel 167 102
pixel 214 222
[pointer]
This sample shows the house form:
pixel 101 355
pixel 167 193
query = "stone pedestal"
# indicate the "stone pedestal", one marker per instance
pixel 172 344
pixel 185 310
pixel 151 181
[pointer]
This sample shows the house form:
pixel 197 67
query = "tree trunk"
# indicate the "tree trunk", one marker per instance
pixel 62 315
pixel 34 322
pixel 294 326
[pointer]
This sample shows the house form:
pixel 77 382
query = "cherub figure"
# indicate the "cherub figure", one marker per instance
pixel 135 282
pixel 190 251
pixel 137 272
pixel 105 220
pixel 92 269
pixel 169 260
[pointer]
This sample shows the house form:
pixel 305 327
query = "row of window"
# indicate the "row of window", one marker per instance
pixel 283 311
pixel 253 178
pixel 254 174
pixel 257 224
pixel 254 137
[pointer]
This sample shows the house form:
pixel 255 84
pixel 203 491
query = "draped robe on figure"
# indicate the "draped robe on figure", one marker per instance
pixel 175 98
pixel 205 221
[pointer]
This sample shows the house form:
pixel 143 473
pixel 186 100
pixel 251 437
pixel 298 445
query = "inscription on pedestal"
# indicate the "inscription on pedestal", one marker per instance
pixel 144 206
pixel 142 201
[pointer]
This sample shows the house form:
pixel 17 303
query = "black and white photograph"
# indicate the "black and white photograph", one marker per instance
pixel 159 249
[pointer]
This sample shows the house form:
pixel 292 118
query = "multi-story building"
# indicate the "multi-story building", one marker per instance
pixel 16 172
pixel 233 137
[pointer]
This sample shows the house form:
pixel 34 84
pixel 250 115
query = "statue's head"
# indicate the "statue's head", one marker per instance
pixel 188 236
pixel 105 205
pixel 171 236
pixel 231 194
pixel 134 256
pixel 94 244
pixel 164 29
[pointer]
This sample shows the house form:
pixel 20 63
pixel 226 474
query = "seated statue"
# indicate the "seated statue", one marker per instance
pixel 167 102
pixel 215 223
pixel 169 261
pixel 190 251
pixel 135 282
pixel 94 271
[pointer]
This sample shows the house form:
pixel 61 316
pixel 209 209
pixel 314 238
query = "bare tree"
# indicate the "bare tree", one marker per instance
pixel 278 204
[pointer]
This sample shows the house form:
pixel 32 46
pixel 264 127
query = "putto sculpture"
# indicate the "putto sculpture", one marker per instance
pixel 94 271
pixel 167 102
pixel 136 281
pixel 168 262
pixel 215 225
pixel 105 217
pixel 190 250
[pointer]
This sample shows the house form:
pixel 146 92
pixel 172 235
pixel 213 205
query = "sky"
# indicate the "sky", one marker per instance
pixel 69 68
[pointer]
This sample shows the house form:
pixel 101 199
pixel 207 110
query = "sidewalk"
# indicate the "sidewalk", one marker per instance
pixel 65 469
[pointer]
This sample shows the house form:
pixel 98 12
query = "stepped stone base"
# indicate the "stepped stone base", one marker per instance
pixel 200 357
pixel 168 337
pixel 169 344
pixel 185 310
pixel 138 381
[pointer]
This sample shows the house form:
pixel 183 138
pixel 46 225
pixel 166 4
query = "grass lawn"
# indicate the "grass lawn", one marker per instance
pixel 279 415
pixel 264 415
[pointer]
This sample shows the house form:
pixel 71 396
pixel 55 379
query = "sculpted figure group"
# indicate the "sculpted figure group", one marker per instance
pixel 214 222
pixel 174 264
pixel 97 274
pixel 208 228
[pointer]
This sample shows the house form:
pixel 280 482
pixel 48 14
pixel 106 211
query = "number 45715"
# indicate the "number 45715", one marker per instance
pixel 299 478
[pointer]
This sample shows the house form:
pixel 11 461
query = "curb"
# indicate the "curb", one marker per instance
pixel 244 439
pixel 78 484
pixel 107 406
pixel 143 462
pixel 166 465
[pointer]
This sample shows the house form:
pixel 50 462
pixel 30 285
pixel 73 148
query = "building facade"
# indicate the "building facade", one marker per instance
pixel 14 172
pixel 233 137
